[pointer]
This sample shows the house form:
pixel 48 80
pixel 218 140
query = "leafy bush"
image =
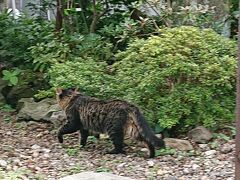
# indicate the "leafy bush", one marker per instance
pixel 45 54
pixel 66 47
pixel 185 76
pixel 87 74
pixel 91 45
pixel 16 36
pixel 70 57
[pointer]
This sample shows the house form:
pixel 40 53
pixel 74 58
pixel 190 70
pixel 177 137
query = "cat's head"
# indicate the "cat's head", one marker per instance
pixel 65 95
pixel 61 93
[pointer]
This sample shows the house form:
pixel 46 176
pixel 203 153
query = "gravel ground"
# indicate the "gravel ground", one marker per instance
pixel 30 150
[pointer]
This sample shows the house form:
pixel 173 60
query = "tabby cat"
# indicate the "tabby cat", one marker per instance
pixel 119 119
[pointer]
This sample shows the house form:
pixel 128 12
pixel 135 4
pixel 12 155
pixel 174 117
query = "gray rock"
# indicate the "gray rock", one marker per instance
pixel 35 146
pixel 187 171
pixel 210 152
pixel 95 176
pixel 150 163
pixel 161 172
pixel 225 149
pixel 18 92
pixel 179 144
pixel 205 178
pixel 58 118
pixel 169 177
pixel 3 163
pixel 200 135
pixel 195 166
pixel 37 111
pixel 203 146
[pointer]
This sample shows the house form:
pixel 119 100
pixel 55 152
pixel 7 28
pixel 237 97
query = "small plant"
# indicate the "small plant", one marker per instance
pixel 190 153
pixel 7 118
pixel 151 177
pixel 20 173
pixel 167 151
pixel 221 136
pixel 42 94
pixel 19 125
pixel 232 129
pixel 214 144
pixel 7 108
pixel 72 151
pixel 11 76
pixel 76 169
pixel 92 139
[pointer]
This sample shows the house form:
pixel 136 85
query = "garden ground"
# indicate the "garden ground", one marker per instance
pixel 30 150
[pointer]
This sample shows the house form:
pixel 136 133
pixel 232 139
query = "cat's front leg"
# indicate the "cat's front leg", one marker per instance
pixel 71 126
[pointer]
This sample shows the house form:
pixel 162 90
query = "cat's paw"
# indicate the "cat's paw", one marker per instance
pixel 116 151
pixel 82 144
pixel 60 139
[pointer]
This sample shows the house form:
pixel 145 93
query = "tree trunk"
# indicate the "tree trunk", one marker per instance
pixel 95 18
pixel 59 16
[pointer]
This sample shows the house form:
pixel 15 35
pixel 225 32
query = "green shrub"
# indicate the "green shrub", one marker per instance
pixel 87 74
pixel 185 76
pixel 45 54
pixel 67 47
pixel 91 45
pixel 70 60
pixel 16 36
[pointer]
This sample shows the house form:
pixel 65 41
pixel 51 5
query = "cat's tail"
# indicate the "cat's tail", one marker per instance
pixel 146 132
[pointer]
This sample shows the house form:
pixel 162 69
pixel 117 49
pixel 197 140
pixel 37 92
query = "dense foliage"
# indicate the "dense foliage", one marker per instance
pixel 87 74
pixel 184 76
pixel 163 57
pixel 17 35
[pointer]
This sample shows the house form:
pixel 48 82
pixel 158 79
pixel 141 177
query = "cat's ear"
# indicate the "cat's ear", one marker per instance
pixel 75 90
pixel 59 91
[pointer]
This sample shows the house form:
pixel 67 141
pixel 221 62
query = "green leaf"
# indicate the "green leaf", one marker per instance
pixel 16 72
pixel 14 80
pixel 6 73
pixel 5 78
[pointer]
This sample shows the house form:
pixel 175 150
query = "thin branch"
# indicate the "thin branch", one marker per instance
pixel 153 8
pixel 106 9
pixel 97 16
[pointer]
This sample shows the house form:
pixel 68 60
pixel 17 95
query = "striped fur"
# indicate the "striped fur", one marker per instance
pixel 119 119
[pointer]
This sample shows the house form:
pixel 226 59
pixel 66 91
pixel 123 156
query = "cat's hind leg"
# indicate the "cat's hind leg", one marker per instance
pixel 150 148
pixel 116 134
pixel 84 135
pixel 117 139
